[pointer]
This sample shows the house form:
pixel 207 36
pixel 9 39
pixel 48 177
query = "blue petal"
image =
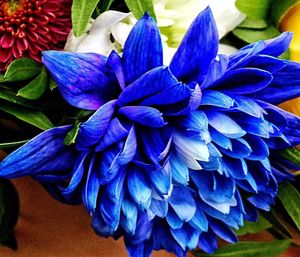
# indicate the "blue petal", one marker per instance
pixel 197 49
pixel 220 139
pixel 42 153
pixel 187 237
pixel 154 82
pixel 278 45
pixel 143 49
pixel 173 220
pixel 243 81
pixel 115 62
pixel 216 98
pixel 183 203
pixel 114 187
pixel 285 85
pixel 208 242
pixel 199 221
pixel 180 172
pixel 115 132
pixel 161 179
pixel 222 230
pixel 93 129
pixel 249 106
pixel 267 63
pixel 84 79
pixel 130 212
pixel 216 70
pixel 260 150
pixel 143 249
pixel 139 187
pixel 240 149
pixel 144 115
pixel 91 189
pixel 100 227
pixel 159 208
pixel 224 124
pixel 237 168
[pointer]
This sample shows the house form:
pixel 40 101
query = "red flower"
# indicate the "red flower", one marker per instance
pixel 28 27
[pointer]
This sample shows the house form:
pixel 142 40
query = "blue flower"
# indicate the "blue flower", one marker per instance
pixel 173 157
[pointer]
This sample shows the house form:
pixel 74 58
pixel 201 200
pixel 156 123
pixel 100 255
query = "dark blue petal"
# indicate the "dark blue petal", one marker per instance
pixel 260 150
pixel 222 230
pixel 261 201
pixel 285 85
pixel 251 212
pixel 143 249
pixel 220 139
pixel 237 168
pixel 115 62
pixel 216 98
pixel 91 189
pixel 144 115
pixel 187 237
pixel 199 221
pixel 84 79
pixel 41 153
pixel 114 187
pixel 224 124
pixel 267 63
pixel 216 70
pixel 115 132
pixel 243 81
pixel 139 187
pixel 197 49
pixel 278 45
pixel 100 227
pixel 143 49
pixel 208 242
pixel 183 203
pixel 93 129
pixel 150 84
pixel 240 149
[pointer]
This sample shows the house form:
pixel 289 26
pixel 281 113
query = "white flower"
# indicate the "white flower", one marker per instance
pixel 111 29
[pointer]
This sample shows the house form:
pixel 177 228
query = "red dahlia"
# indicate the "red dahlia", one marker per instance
pixel 28 27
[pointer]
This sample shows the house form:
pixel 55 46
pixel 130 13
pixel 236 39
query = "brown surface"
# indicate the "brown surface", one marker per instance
pixel 47 228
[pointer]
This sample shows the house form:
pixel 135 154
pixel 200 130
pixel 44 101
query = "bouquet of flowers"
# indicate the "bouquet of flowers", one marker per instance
pixel 158 117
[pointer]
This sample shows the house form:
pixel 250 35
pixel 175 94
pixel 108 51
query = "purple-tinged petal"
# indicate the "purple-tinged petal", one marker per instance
pixel 183 203
pixel 84 79
pixel 144 115
pixel 216 70
pixel 197 49
pixel 143 49
pixel 243 81
pixel 278 45
pixel 93 129
pixel 115 62
pixel 139 187
pixel 285 85
pixel 150 84
pixel 41 153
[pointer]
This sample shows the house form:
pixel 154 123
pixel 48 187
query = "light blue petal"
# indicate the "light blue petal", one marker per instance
pixel 130 211
pixel 215 98
pixel 180 172
pixel 173 220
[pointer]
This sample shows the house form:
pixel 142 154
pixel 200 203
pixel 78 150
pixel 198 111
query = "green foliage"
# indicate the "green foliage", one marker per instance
pixel 280 8
pixel 21 69
pixel 36 88
pixel 255 9
pixel 139 7
pixel 250 23
pixel 71 136
pixel 250 249
pixel 290 199
pixel 292 154
pixel 254 227
pixel 12 144
pixel 82 11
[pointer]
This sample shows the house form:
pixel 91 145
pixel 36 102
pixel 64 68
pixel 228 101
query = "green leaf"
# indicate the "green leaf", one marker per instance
pixel 52 84
pixel 251 35
pixel 22 69
pixel 250 23
pixel 105 5
pixel 35 118
pixel 139 7
pixel 280 8
pixel 12 144
pixel 250 249
pixel 256 9
pixel 71 136
pixel 254 227
pixel 82 11
pixel 36 88
pixel 292 154
pixel 290 199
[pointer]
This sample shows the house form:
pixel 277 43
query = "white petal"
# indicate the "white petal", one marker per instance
pixel 227 49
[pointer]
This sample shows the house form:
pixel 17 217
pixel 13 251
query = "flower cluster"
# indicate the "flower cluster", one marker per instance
pixel 28 27
pixel 173 157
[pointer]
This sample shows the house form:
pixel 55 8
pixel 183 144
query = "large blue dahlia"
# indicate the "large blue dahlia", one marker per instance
pixel 173 157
